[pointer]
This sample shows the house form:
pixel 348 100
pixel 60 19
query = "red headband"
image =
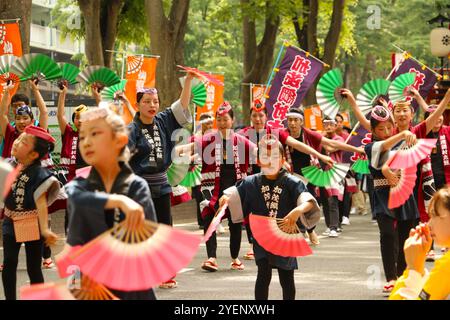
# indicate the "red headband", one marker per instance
pixel 224 108
pixel 40 133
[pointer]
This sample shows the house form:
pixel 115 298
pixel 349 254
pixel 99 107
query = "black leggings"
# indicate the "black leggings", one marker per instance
pixel 162 208
pixel 392 240
pixel 11 250
pixel 235 238
pixel 264 277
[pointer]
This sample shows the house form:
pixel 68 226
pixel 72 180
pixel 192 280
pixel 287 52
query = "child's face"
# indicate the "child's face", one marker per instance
pixel 440 227
pixel 23 148
pixel 259 119
pixel 224 122
pixel 403 116
pixel 384 130
pixel 270 160
pixel 22 121
pixel 149 105
pixel 98 142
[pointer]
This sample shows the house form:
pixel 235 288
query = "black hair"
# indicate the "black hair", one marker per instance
pixel 253 109
pixel 140 95
pixel 381 112
pixel 326 118
pixel 340 116
pixel 20 97
pixel 42 147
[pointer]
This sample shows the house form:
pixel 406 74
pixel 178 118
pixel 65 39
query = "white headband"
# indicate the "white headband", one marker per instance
pixel 294 115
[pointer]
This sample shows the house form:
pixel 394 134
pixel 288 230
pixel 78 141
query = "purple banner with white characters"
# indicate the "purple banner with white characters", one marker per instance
pixel 425 78
pixel 358 138
pixel 297 72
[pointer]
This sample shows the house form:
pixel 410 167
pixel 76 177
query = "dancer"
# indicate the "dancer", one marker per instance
pixel 111 191
pixel 256 194
pixel 26 215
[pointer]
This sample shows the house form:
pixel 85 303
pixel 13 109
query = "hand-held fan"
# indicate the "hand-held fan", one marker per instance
pixel 407 157
pixel 278 238
pixel 361 166
pixel 138 258
pixel 8 175
pixel 46 291
pixel 399 86
pixel 327 92
pixel 202 75
pixel 405 187
pixel 326 178
pixel 69 74
pixel 83 172
pixel 109 93
pixel 215 222
pixel 193 177
pixel 99 76
pixel 64 264
pixel 36 66
pixel 6 61
pixel 179 195
pixel 199 94
pixel 176 172
pixel 91 290
pixel 370 92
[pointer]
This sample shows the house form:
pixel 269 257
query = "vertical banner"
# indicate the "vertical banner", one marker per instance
pixel 294 77
pixel 141 72
pixel 358 138
pixel 10 40
pixel 313 118
pixel 425 78
pixel 256 93
pixel 214 98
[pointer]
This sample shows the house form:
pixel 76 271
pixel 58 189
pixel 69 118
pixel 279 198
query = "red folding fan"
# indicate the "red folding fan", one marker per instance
pixel 276 237
pixel 202 75
pixel 403 190
pixel 407 157
pixel 139 258
pixel 215 222
pixel 46 291
pixel 64 264
pixel 83 172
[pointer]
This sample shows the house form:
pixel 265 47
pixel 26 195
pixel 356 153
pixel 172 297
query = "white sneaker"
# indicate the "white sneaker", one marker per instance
pixel 345 221
pixel 333 234
pixel 220 229
pixel 327 232
pixel 353 210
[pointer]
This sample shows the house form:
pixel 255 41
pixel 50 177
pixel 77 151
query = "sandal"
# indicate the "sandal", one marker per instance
pixel 48 264
pixel 210 265
pixel 170 284
pixel 249 256
pixel 237 266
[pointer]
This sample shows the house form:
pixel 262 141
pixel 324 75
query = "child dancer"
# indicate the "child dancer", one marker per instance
pixel 256 194
pixel 394 224
pixel 34 189
pixel 111 190
pixel 416 282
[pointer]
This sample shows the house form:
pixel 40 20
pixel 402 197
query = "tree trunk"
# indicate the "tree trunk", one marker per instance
pixel 93 41
pixel 167 41
pixel 258 59
pixel 110 24
pixel 332 39
pixel 19 9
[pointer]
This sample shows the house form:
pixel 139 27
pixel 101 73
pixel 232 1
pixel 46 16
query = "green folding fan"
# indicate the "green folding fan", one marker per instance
pixel 98 75
pixel 370 92
pixel 177 172
pixel 199 94
pixel 36 66
pixel 361 166
pixel 69 74
pixel 6 61
pixel 327 92
pixel 108 94
pixel 399 85
pixel 326 178
pixel 193 177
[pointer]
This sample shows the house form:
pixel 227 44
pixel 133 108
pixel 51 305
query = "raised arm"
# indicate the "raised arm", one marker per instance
pixel 333 145
pixel 406 135
pixel 185 96
pixel 6 99
pixel 96 94
pixel 300 146
pixel 43 112
pixel 60 114
pixel 122 97
pixel 357 111
pixel 434 116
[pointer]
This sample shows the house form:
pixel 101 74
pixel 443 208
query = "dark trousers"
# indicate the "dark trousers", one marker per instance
pixel 11 250
pixel 264 277
pixel 46 251
pixel 345 206
pixel 393 234
pixel 330 207
pixel 162 208
pixel 235 238
pixel 249 233
pixel 197 195
pixel 311 189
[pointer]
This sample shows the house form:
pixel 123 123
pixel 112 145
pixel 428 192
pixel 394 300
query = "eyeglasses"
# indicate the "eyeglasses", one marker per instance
pixel 147 90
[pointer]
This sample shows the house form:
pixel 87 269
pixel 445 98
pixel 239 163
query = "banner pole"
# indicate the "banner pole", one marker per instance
pixel 274 67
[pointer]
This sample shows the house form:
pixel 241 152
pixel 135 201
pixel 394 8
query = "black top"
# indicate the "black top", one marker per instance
pixel 437 165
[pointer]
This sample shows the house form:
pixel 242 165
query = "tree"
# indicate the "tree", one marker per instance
pixel 167 40
pixel 19 9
